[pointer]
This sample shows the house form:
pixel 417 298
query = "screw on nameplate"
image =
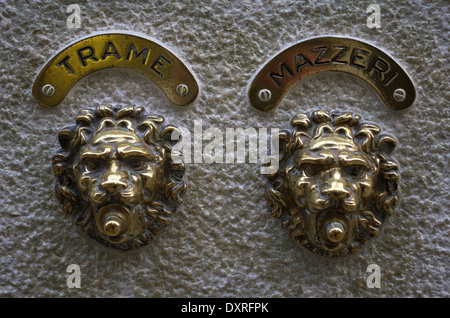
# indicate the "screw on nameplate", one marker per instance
pixel 48 90
pixel 264 95
pixel 399 94
pixel 182 90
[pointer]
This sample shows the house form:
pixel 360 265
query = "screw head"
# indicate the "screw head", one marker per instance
pixel 182 90
pixel 48 90
pixel 264 95
pixel 399 94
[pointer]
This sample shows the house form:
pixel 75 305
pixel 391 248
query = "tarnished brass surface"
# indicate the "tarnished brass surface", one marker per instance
pixel 336 183
pixel 331 53
pixel 116 176
pixel 114 50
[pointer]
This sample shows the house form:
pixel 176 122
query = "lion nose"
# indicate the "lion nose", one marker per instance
pixel 336 193
pixel 337 187
pixel 113 185
pixel 113 179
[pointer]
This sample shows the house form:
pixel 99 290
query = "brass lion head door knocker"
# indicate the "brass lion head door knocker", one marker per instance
pixel 116 176
pixel 336 183
pixel 115 171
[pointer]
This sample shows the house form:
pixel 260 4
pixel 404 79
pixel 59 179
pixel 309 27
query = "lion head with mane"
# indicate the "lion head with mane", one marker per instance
pixel 336 184
pixel 116 176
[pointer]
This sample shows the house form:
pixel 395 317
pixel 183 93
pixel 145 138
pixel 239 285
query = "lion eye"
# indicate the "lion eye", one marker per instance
pixel 355 171
pixel 92 164
pixel 310 169
pixel 137 163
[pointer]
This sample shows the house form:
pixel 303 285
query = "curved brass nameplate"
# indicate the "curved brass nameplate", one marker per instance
pixel 115 50
pixel 331 53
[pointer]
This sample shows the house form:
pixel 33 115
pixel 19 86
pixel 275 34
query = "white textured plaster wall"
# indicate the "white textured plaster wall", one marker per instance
pixel 222 241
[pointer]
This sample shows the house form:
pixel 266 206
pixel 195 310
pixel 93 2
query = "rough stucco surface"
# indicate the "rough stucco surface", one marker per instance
pixel 222 241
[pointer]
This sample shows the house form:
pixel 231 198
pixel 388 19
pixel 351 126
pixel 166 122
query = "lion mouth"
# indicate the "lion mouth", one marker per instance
pixel 334 229
pixel 114 221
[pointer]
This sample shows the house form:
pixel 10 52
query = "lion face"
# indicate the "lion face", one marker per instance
pixel 335 182
pixel 115 174
pixel 118 173
pixel 335 185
